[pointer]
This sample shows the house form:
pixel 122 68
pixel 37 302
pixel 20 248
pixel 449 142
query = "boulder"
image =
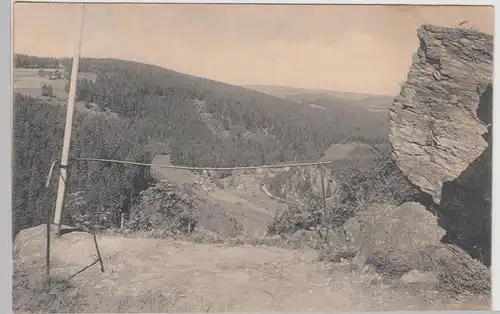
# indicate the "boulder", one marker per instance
pixel 439 131
pixel 391 237
pixel 29 251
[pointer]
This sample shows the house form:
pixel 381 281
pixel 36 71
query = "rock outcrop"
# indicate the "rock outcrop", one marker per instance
pixel 439 131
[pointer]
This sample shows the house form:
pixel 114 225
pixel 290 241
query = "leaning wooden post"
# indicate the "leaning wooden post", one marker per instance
pixel 49 214
pixel 99 257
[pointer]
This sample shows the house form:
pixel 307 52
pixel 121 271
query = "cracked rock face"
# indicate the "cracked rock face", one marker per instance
pixel 439 127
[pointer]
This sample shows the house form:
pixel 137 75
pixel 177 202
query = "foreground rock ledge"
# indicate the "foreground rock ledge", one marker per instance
pixel 439 131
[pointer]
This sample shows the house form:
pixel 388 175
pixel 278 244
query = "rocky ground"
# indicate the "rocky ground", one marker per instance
pixel 153 275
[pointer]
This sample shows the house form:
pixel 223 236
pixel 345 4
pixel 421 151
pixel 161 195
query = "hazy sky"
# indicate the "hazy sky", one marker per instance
pixel 364 49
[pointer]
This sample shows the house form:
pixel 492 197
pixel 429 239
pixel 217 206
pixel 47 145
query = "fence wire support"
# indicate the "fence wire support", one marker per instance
pixel 49 176
pixel 48 224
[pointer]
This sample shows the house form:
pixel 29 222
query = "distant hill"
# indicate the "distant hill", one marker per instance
pixel 285 92
pixel 367 101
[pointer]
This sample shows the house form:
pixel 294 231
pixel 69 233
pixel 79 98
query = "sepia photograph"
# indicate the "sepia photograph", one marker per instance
pixel 251 157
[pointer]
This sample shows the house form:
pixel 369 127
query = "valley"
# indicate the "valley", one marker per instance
pixel 249 205
pixel 204 121
pixel 357 233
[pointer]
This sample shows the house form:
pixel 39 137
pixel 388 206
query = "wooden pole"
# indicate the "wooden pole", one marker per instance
pixel 47 253
pixel 61 192
pixel 323 190
pixel 324 199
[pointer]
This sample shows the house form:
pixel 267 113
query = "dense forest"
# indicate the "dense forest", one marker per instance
pixel 212 123
pixel 216 124
pixel 38 132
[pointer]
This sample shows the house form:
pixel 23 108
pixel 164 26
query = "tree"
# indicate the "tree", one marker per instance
pixel 98 192
pixel 47 91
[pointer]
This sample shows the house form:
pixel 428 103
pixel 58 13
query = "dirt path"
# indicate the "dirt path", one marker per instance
pixel 144 275
pixel 266 191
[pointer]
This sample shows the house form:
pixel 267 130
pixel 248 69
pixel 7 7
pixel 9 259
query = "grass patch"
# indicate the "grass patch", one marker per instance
pixel 458 272
pixel 148 302
pixel 58 295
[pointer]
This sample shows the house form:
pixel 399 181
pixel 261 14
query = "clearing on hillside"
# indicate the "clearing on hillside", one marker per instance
pixel 29 82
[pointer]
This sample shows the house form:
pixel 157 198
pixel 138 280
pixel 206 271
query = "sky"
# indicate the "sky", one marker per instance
pixel 363 49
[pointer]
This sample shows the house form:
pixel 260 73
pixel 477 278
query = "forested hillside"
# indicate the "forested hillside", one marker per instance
pixel 366 115
pixel 38 132
pixel 212 123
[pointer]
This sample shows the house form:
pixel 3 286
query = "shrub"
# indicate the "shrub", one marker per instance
pixel 79 213
pixel 458 272
pixel 47 91
pixel 299 216
pixel 359 184
pixel 366 181
pixel 165 207
pixel 230 226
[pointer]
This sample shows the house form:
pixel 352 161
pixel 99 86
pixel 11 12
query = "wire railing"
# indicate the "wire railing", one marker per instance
pixel 151 165
pixel 205 168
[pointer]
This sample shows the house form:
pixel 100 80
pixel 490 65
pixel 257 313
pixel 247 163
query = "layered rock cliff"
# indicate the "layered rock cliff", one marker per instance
pixel 440 127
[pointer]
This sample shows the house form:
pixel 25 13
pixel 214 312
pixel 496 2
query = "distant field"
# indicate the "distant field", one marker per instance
pixel 28 82
pixel 351 150
pixel 374 103
pixel 285 92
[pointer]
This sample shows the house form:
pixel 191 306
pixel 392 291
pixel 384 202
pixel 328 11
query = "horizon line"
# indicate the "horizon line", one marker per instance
pixel 245 86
